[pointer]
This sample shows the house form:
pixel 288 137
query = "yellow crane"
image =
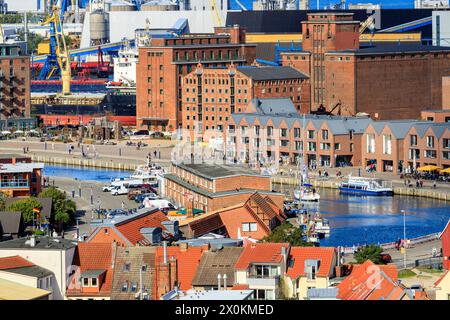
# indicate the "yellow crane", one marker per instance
pixel 218 19
pixel 61 51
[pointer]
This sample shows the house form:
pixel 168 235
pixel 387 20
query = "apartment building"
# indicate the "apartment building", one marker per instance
pixel 14 89
pixel 403 146
pixel 161 66
pixel 211 95
pixel 275 132
pixel 261 267
pixel 20 178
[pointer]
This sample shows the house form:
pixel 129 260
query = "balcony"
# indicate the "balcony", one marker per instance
pixel 14 184
pixel 256 281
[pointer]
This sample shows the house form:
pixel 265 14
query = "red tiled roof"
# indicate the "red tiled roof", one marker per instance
pixel 95 256
pixel 240 287
pixel 261 252
pixel 14 262
pixel 300 254
pixel 187 263
pixel 371 282
pixel 130 229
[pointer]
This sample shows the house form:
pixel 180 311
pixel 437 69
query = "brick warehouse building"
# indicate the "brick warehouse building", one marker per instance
pixel 211 187
pixel 385 81
pixel 14 88
pixel 211 95
pixel 161 66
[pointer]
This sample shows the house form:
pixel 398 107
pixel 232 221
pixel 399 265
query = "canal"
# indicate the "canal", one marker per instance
pixel 353 219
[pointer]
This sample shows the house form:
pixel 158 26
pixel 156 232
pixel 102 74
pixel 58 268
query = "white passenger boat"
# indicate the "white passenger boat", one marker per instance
pixel 365 186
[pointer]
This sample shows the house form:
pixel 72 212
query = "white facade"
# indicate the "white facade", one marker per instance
pixel 125 66
pixel 25 5
pixel 55 260
pixel 441 28
pixel 45 283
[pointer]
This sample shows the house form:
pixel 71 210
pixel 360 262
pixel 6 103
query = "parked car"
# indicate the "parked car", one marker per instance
pixel 115 212
pixel 141 197
pixel 157 135
pixel 386 257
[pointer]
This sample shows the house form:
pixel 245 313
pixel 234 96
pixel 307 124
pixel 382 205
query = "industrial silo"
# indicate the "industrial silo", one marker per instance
pixel 122 6
pixel 161 5
pixel 99 25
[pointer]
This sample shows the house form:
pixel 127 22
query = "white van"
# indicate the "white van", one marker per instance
pixel 158 203
pixel 119 190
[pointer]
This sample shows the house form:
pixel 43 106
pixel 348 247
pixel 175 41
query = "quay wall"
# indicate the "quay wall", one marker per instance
pixel 332 184
pixel 94 163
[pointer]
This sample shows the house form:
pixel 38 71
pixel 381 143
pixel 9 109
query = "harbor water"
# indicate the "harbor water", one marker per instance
pixel 353 219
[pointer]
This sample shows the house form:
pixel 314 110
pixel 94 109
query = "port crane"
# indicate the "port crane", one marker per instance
pixel 58 60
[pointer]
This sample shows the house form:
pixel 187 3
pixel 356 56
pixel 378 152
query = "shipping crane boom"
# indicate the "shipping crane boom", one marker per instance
pixel 58 59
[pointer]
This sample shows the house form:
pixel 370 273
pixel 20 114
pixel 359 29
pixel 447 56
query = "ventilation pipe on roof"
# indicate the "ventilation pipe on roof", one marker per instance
pixel 218 281
pixel 165 252
pixel 224 281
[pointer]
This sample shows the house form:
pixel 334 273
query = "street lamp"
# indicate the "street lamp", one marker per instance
pixel 404 238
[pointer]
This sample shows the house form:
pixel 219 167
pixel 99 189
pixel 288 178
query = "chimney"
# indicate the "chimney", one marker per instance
pixel 33 241
pixel 218 281
pixel 165 252
pixel 184 246
pixel 224 281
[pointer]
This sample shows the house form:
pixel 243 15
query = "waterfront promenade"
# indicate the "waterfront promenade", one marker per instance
pixel 125 157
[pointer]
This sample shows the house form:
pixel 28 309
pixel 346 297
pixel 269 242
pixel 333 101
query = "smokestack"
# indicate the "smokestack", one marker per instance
pixel 218 281
pixel 165 252
pixel 224 281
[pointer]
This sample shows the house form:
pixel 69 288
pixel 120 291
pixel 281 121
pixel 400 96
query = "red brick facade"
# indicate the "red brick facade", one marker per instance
pixel 387 84
pixel 162 65
pixel 14 84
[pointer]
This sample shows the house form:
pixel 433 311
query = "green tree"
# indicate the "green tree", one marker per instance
pixel 370 252
pixel 289 234
pixel 33 40
pixel 63 210
pixel 2 201
pixel 26 207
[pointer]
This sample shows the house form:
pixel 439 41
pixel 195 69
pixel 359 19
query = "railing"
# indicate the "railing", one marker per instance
pixel 11 184
pixel 254 280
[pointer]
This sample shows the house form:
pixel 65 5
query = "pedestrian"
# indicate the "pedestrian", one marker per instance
pixel 79 191
pixel 154 153
pixel 53 146
pixel 434 184
pixel 24 150
pixel 92 198
pixel 417 184
pixel 320 173
pixel 421 183
pixel 159 154
pixel 28 149
pixel 123 205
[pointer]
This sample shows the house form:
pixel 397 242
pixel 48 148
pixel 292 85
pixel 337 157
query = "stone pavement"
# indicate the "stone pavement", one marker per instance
pixel 84 207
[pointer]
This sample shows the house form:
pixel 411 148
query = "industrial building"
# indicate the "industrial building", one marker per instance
pixel 374 79
pixel 212 95
pixel 162 65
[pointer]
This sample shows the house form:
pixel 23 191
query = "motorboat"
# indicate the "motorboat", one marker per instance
pixel 365 186
pixel 306 193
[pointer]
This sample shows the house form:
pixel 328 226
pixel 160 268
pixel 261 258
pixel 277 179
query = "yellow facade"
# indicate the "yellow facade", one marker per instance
pixel 443 288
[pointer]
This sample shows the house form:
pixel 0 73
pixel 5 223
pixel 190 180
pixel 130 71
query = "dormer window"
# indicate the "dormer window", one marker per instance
pixel 94 282
pixel 85 282
pixel 126 267
pixel 124 287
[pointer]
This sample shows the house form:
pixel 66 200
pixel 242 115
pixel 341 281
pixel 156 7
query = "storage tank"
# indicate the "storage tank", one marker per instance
pixel 159 6
pixel 122 6
pixel 99 25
